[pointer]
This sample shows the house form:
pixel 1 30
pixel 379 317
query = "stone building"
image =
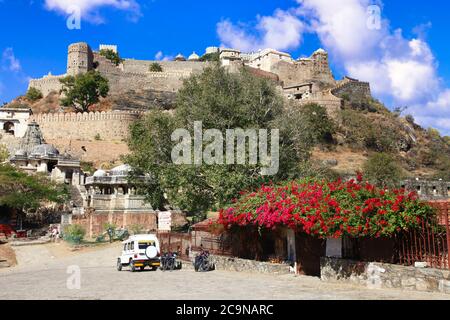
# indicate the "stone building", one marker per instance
pixel 429 190
pixel 304 80
pixel 111 191
pixel 14 121
pixel 110 197
pixel 36 156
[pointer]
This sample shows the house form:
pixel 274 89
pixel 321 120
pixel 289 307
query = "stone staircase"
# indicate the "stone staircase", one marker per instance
pixel 76 195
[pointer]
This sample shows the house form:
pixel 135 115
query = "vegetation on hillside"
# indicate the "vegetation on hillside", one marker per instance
pixel 382 170
pixel 155 67
pixel 83 90
pixel 215 56
pixel 4 153
pixel 34 94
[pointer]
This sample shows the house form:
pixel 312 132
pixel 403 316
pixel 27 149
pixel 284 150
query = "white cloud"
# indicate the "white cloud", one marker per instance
pixel 281 31
pixel 401 70
pixel 89 8
pixel 9 61
pixel 162 57
pixel 159 55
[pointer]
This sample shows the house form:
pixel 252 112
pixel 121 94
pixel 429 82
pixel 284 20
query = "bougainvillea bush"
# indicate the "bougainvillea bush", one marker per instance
pixel 329 209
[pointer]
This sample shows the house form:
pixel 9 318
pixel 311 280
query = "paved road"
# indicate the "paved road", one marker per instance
pixel 43 276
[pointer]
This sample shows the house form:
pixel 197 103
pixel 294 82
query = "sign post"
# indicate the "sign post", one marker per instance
pixel 164 221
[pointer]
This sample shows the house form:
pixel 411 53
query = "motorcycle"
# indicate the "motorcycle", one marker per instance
pixel 202 262
pixel 169 261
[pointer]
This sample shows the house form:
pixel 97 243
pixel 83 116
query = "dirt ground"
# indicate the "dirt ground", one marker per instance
pixel 47 272
pixel 8 254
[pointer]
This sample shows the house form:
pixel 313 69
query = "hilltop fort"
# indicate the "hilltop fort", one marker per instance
pixel 304 79
pixel 362 123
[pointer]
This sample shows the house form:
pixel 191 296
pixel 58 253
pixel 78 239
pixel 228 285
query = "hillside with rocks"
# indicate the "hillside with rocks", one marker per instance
pixel 361 128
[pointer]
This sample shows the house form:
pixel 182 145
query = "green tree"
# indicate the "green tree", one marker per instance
pixel 83 90
pixel 155 67
pixel 447 140
pixel 222 101
pixel 317 123
pixel 111 55
pixel 28 192
pixel 215 56
pixel 74 233
pixel 382 170
pixel 33 94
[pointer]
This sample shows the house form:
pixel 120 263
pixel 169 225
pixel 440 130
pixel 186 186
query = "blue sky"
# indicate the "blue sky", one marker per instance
pixel 407 68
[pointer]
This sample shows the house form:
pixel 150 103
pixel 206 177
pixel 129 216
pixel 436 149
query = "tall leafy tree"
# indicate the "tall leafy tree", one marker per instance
pixel 382 170
pixel 220 100
pixel 26 192
pixel 83 90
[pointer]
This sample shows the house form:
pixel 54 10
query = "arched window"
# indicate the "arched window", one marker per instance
pixel 8 127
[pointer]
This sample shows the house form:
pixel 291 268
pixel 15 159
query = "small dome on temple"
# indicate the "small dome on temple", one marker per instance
pixel 21 152
pixel 194 57
pixel 321 51
pixel 122 170
pixel 100 173
pixel 44 150
pixel 180 57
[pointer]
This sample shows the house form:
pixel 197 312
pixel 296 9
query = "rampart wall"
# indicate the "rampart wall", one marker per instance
pixel 357 91
pixel 111 126
pixel 46 84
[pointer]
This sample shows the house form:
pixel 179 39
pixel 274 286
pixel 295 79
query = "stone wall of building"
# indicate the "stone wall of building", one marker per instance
pixel 330 102
pixel 385 276
pixel 111 126
pixel 136 75
pixel 94 223
pixel 429 190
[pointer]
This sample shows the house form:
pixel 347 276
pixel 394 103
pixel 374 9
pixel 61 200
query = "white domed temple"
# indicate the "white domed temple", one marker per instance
pixel 36 156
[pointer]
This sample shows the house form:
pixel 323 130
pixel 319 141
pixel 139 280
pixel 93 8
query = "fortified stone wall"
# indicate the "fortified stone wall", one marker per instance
pixel 111 126
pixel 94 223
pixel 330 102
pixel 47 84
pixel 136 74
pixel 304 71
pixel 356 90
pixel 429 190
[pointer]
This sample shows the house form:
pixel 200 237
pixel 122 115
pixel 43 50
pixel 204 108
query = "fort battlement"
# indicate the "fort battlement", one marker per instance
pixel 308 78
pixel 112 126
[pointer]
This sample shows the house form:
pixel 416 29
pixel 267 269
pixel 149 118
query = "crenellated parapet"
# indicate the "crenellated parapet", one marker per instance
pixel 85 116
pixel 112 125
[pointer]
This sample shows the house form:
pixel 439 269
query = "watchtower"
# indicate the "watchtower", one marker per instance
pixel 79 59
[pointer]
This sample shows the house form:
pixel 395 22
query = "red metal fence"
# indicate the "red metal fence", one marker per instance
pixel 430 243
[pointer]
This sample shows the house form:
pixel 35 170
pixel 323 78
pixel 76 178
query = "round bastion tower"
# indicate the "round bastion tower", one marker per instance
pixel 79 59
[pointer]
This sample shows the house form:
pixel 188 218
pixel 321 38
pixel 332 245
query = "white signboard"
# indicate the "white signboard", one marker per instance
pixel 164 221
